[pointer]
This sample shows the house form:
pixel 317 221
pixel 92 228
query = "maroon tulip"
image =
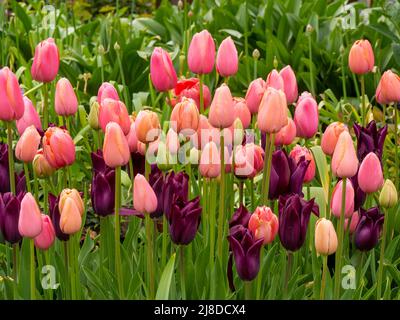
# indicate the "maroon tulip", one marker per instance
pixel 368 229
pixel 9 216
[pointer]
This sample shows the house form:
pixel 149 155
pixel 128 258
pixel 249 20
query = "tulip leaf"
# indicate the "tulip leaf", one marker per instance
pixel 323 170
pixel 165 282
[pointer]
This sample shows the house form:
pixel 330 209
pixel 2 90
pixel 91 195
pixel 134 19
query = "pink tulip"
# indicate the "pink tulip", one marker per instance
pixel 249 160
pixel 172 141
pixel 331 136
pixel 297 153
pixel 115 148
pixel 162 70
pixel 11 102
pixel 344 161
pixel 30 117
pixel 336 201
pixel 355 218
pixel 361 57
pixel 147 126
pixel 210 161
pixel 221 110
pixel 227 58
pixel 107 90
pixel 185 116
pixel 205 133
pixel 144 198
pixel 274 80
pixel 114 111
pixel 58 147
pixel 263 224
pixel 241 111
pixel 273 111
pixel 201 53
pixel 286 135
pixel 306 116
pixel 132 138
pixel 370 175
pixel 46 61
pixel 45 239
pixel 66 103
pixel 30 220
pixel 388 90
pixel 290 84
pixel 254 94
pixel 28 145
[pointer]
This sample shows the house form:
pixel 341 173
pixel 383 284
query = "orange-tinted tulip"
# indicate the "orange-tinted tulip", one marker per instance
pixel 361 57
pixel 114 111
pixel 264 224
pixel 273 111
pixel 221 110
pixel 331 136
pixel 115 148
pixel 147 126
pixel 41 166
pixel 58 147
pixel 286 135
pixel 74 195
pixel 11 102
pixel 388 90
pixel 185 116
pixel 344 161
pixel 326 241
pixel 70 217
pixel 28 145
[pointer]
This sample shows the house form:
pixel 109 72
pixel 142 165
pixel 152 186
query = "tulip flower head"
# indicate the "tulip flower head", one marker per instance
pixel 286 134
pixel 370 139
pixel 306 116
pixel 275 80
pixel 227 58
pixel 336 201
pixel 388 197
pixel 41 166
pixel 368 229
pixel 75 196
pixel 344 161
pixel 273 111
pixel 30 220
pixel 249 160
pixel 201 53
pixel 331 136
pixel 361 57
pixel 114 111
pixel 241 111
pixel 115 147
pixel 107 90
pixel 210 161
pixel 58 147
pixel 11 101
pixel 299 152
pixel 264 224
pixel 352 222
pixel 370 175
pixel 28 145
pixel 289 84
pixel 45 239
pixel 162 72
pixel 388 90
pixel 70 216
pixel 147 126
pixel 185 117
pixel 10 206
pixel 254 94
pixel 66 103
pixel 46 61
pixel 190 88
pixel 144 198
pixel 240 217
pixel 30 117
pixel 221 110
pixel 326 241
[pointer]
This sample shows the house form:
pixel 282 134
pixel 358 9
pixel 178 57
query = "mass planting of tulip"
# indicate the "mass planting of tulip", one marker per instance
pixel 202 192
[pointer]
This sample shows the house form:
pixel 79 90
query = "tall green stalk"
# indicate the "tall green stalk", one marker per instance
pixel 363 107
pixel 382 257
pixel 182 271
pixel 201 93
pixel 32 269
pixel 269 145
pixel 221 215
pixel 45 91
pixel 117 233
pixel 10 157
pixel 339 252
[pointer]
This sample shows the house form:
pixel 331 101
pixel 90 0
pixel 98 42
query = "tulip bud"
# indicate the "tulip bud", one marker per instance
pixel 58 147
pixel 264 224
pixel 221 111
pixel 144 198
pixel 115 146
pixel 28 144
pixel 46 61
pixel 162 72
pixel 11 101
pixel 388 90
pixel 172 141
pixel 273 111
pixel 326 241
pixel 361 57
pixel 336 202
pixel 41 166
pixel 286 135
pixel 107 90
pixel 194 156
pixel 74 195
pixel 93 117
pixel 254 94
pixel 241 111
pixel 30 220
pixel 132 138
pixel 70 217
pixel 238 132
pixel 370 175
pixel 147 126
pixel 274 80
pixel 30 117
pixel 210 161
pixel 256 54
pixel 289 84
pixel 45 239
pixel 227 58
pixel 344 161
pixel 331 136
pixel 185 116
pixel 299 152
pixel 201 53
pixel 163 157
pixel 388 196
pixel 66 103
pixel 306 116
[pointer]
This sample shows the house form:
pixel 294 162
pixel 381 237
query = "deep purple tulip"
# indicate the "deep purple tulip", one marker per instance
pixel 294 215
pixel 359 195
pixel 184 220
pixel 240 217
pixel 286 176
pixel 156 180
pixel 102 191
pixel 368 229
pixel 20 185
pixel 370 139
pixel 54 213
pixel 176 186
pixel 246 252
pixel 9 216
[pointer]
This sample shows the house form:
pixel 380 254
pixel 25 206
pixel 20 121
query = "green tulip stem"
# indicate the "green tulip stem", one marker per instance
pixel 10 157
pixel 240 192
pixel 382 256
pixel 27 179
pixel 32 269
pixel 15 247
pixel 339 252
pixel 212 213
pixel 182 271
pixel 259 277
pixel 201 93
pixel 149 251
pixel 288 272
pixel 323 280
pixel 363 106
pixel 117 241
pixel 45 91
pixel 247 290
pixel 396 140
pixel 221 215
pixel 269 145
pixel 164 241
